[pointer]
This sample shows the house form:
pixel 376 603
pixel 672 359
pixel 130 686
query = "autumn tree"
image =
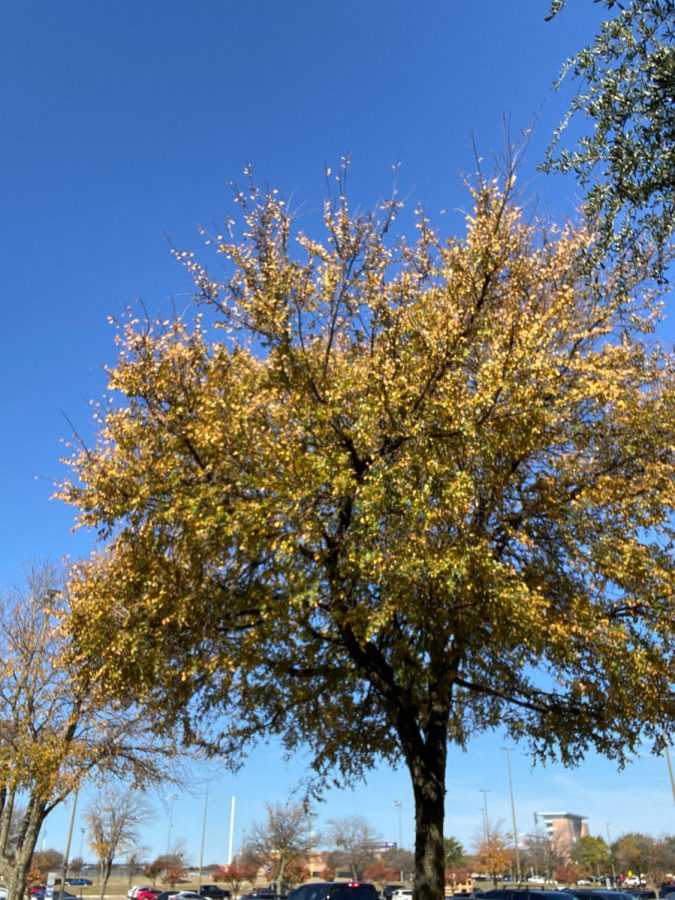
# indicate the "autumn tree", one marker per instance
pixel 152 870
pixel 624 157
pixel 44 861
pixel 493 852
pixel 424 487
pixel 113 818
pixel 355 842
pixel 634 852
pixel 235 875
pixel 283 838
pixel 378 871
pixel 56 731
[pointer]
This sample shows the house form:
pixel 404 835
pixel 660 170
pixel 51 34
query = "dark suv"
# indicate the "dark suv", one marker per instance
pixel 213 892
pixel 335 890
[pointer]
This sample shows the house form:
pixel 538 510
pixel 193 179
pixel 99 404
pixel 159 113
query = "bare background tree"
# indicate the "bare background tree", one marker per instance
pixel 285 836
pixel 355 843
pixel 114 818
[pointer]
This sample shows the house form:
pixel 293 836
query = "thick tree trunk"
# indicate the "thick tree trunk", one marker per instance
pixel 27 839
pixel 428 780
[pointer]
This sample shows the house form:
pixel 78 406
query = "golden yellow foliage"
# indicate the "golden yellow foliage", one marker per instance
pixel 426 487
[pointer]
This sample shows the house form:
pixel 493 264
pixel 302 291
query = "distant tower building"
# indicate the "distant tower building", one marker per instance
pixel 563 829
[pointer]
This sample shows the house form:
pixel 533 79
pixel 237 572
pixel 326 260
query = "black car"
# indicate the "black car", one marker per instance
pixel 213 892
pixel 335 890
pixel 521 894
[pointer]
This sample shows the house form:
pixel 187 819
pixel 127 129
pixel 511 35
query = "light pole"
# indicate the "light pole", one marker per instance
pixel 513 813
pixel 397 804
pixel 170 800
pixel 66 855
pixel 611 856
pixel 201 848
pixel 485 814
pixel 670 770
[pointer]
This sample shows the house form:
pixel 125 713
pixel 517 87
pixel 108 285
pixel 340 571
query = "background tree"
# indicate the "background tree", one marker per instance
pixel 75 865
pixel 493 852
pixel 56 731
pixel 378 872
pixel 355 841
pixel 284 837
pixel 568 873
pixel 153 870
pixel 170 867
pixel 663 858
pixel 634 852
pixel 44 861
pixel 453 852
pixel 402 861
pixel 626 159
pixel 591 853
pixel 113 818
pixel 296 872
pixel 542 855
pixel 423 487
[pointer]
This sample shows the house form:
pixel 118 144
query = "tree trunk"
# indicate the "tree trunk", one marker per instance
pixel 34 816
pixel 427 772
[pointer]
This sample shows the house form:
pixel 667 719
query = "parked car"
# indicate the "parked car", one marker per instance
pixel 594 894
pixel 147 894
pixel 57 895
pixel 79 882
pixel 213 892
pixel 262 894
pixel 335 890
pixel 389 889
pixel 185 895
pixel 521 894
pixel 402 894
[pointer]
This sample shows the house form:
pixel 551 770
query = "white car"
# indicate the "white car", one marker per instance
pixel 402 894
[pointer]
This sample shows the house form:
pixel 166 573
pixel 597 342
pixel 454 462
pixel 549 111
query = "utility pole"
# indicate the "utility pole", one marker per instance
pixel 513 814
pixel 66 856
pixel 486 821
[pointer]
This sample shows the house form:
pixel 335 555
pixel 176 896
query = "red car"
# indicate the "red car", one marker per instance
pixel 147 894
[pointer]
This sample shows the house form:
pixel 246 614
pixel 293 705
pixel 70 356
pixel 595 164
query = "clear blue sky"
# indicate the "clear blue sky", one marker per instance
pixel 122 123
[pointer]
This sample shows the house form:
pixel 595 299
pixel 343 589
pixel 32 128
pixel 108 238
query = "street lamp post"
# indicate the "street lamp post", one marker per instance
pixel 486 825
pixel 170 799
pixel 397 804
pixel 611 856
pixel 513 813
pixel 201 848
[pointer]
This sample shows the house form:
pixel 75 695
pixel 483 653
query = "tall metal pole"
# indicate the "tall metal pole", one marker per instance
pixel 513 813
pixel 229 845
pixel 397 804
pixel 171 799
pixel 201 848
pixel 611 856
pixel 486 821
pixel 64 868
pixel 670 770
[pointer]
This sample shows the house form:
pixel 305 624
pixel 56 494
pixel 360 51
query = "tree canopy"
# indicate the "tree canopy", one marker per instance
pixel 56 730
pixel 385 494
pixel 626 160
